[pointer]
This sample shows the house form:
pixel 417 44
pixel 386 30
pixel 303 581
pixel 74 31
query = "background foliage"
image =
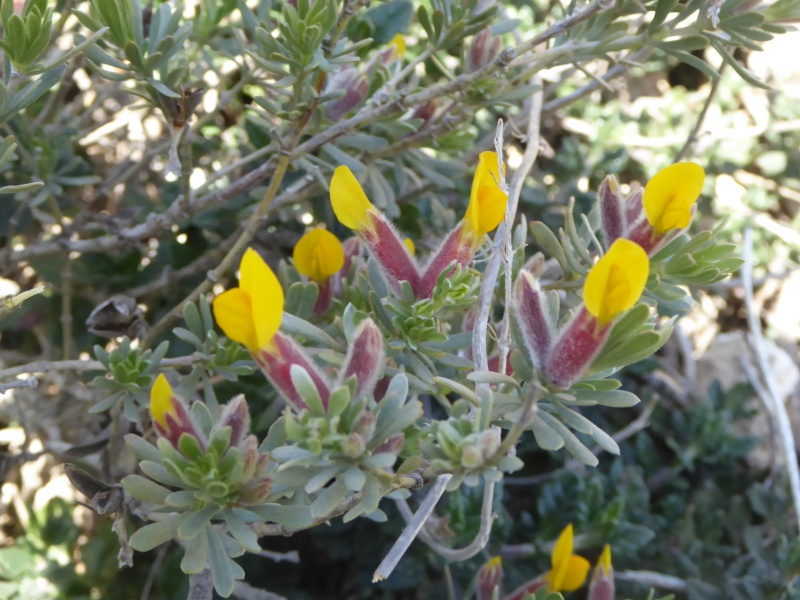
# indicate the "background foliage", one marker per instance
pixel 139 142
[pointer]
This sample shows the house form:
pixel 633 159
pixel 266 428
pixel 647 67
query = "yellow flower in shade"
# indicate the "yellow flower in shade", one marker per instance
pixel 348 200
pixel 568 570
pixel 616 282
pixel 669 196
pixel 318 255
pixel 161 401
pixel 604 562
pixel 410 245
pixel 251 314
pixel 487 202
pixel 398 44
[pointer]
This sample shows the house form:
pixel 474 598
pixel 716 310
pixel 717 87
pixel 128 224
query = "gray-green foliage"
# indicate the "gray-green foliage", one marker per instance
pixel 412 140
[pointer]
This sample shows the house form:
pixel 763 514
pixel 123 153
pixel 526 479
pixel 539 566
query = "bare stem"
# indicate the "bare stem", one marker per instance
pixel 694 133
pixel 201 587
pixel 514 190
pixel 47 366
pixel 412 529
pixel 772 398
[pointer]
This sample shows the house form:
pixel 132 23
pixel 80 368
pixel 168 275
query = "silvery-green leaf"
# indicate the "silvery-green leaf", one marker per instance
pixel 241 532
pixel 377 515
pixel 612 398
pixel 291 516
pixel 287 453
pixel 546 437
pixel 328 499
pixel 196 556
pixel 509 464
pixel 321 479
pixel 142 449
pixel 195 522
pixel 298 327
pixel 276 436
pixel 155 534
pixel 221 571
pixel 307 389
pixel 158 472
pixel 575 420
pixel 338 401
pixel 605 441
pixel 145 490
pixel 354 478
pixel 382 460
pixel 181 499
pixel 571 443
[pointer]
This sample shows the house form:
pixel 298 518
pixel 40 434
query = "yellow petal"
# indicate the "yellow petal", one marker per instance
pixel 410 245
pixel 348 200
pixel 318 255
pixel 234 315
pixel 563 548
pixel 605 558
pixel 576 572
pixel 487 202
pixel 161 400
pixel 399 43
pixel 616 282
pixel 669 196
pixel 265 294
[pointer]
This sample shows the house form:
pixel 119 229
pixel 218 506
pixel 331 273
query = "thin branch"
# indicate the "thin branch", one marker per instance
pixel 412 529
pixel 514 191
pixel 30 382
pixel 773 398
pixel 235 252
pixel 201 586
pixel 48 366
pixel 564 25
pixel 652 579
pixel 694 133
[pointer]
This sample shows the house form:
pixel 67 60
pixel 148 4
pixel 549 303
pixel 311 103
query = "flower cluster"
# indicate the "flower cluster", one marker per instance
pixel 568 573
pixel 634 229
pixel 653 216
pixel 614 285
pixel 389 249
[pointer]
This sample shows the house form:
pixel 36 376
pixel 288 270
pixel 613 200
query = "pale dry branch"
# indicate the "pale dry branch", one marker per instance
pixel 772 399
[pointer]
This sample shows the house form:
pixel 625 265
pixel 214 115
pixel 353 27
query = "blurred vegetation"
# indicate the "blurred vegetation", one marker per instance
pixel 138 142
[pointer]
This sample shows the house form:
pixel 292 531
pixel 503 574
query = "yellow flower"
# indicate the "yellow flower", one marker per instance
pixel 568 570
pixel 604 562
pixel 348 200
pixel 616 282
pixel 487 202
pixel 318 255
pixel 410 245
pixel 398 44
pixel 161 401
pixel 251 314
pixel 670 194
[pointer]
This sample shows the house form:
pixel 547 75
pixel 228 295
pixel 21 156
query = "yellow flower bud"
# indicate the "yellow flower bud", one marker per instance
pixel 568 570
pixel 487 202
pixel 670 194
pixel 410 245
pixel 605 559
pixel 398 44
pixel 161 401
pixel 616 282
pixel 318 255
pixel 348 200
pixel 251 314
